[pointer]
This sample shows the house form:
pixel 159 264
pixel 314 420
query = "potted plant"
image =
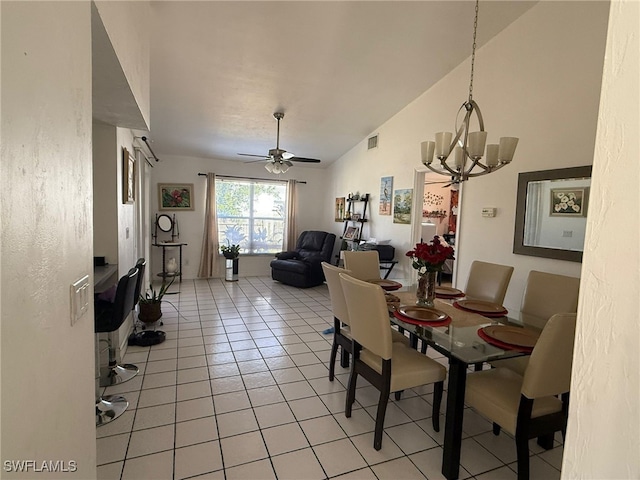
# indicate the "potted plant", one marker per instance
pixel 229 251
pixel 151 302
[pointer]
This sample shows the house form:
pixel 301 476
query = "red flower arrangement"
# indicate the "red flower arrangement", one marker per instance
pixel 430 257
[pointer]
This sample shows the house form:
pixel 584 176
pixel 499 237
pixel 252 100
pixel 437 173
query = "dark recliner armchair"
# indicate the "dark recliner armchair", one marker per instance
pixel 302 267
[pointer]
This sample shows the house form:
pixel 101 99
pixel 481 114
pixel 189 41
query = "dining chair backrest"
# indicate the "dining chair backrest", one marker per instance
pixel 141 265
pixel 364 264
pixel 338 302
pixel 547 294
pixel 549 369
pixel 488 281
pixel 368 314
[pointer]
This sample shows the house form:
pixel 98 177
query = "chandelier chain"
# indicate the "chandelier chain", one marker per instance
pixel 473 52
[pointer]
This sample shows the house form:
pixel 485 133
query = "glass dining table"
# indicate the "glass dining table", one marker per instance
pixel 460 343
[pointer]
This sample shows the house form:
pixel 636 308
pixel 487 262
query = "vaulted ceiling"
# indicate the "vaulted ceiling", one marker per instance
pixel 337 69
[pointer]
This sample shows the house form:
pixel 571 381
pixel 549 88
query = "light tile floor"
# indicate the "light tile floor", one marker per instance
pixel 240 390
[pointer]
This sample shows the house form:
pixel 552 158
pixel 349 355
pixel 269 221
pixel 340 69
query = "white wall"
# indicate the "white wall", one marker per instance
pixel 537 80
pixel 314 205
pixel 128 27
pixel 603 435
pixel 105 192
pixel 47 235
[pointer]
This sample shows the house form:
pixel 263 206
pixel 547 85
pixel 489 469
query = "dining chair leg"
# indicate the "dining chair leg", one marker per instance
pixel 353 380
pixel 332 358
pixel 546 441
pixel 385 390
pixel 522 447
pixel 438 388
pixel 423 348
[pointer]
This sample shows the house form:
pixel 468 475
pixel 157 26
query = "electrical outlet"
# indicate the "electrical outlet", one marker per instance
pixel 489 212
pixel 567 233
pixel 79 299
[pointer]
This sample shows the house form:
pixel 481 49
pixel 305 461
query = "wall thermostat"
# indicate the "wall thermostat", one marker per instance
pixel 489 212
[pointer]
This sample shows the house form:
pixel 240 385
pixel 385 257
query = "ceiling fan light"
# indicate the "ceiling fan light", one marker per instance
pixel 269 167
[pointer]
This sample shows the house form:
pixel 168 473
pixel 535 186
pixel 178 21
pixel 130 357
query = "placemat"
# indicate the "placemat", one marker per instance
pixel 442 323
pixel 388 285
pixel 502 345
pixel 488 314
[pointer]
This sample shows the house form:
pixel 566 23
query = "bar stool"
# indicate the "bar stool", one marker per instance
pixel 108 318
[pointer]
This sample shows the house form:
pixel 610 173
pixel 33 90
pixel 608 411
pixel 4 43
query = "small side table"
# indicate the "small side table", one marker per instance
pixel 164 274
pixel 388 266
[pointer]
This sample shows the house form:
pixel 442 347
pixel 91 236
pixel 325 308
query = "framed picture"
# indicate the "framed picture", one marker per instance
pixel 402 202
pixel 175 196
pixel 386 188
pixel 355 217
pixel 351 233
pixel 569 202
pixel 339 210
pixel 128 176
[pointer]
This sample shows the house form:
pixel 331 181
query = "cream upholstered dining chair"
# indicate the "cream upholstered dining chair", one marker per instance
pixel 341 333
pixel 389 366
pixel 364 264
pixel 545 295
pixel 488 281
pixel 527 406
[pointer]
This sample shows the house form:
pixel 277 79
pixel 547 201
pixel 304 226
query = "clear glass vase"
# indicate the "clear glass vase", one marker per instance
pixel 426 291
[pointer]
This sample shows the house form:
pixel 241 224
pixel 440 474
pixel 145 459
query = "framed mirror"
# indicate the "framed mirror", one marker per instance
pixel 165 223
pixel 551 213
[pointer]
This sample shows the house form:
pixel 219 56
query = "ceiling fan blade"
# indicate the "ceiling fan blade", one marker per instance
pixel 302 159
pixel 287 155
pixel 266 157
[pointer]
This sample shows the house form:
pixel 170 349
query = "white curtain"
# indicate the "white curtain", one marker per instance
pixel 290 231
pixel 209 254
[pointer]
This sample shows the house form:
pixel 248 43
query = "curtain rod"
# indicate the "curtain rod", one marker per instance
pixel 144 139
pixel 248 178
pixel 146 159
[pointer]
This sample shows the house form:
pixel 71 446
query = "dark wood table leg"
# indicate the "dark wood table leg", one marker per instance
pixel 454 418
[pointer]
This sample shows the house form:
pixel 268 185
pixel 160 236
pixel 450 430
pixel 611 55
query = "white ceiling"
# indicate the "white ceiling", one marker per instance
pixel 337 69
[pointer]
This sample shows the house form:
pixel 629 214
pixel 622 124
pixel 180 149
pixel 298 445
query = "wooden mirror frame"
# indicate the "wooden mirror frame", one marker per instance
pixel 518 235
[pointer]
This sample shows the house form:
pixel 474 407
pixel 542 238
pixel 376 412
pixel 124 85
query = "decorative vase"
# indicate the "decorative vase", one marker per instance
pixel 172 266
pixel 231 269
pixel 426 292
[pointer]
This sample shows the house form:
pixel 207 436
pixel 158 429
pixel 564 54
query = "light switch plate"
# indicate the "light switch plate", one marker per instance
pixel 489 212
pixel 79 299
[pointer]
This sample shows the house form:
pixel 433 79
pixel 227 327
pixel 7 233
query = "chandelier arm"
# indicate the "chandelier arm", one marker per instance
pixel 487 169
pixel 475 107
pixel 449 173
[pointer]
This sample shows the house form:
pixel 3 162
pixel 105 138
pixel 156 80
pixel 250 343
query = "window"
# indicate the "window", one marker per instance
pixel 251 213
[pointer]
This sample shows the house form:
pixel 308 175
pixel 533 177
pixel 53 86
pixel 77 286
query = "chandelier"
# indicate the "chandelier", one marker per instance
pixel 465 150
pixel 278 166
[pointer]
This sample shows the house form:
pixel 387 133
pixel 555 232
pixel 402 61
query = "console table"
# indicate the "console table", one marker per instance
pixel 104 277
pixel 164 245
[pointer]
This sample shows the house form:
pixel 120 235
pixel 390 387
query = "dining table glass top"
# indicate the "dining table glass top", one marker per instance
pixel 459 338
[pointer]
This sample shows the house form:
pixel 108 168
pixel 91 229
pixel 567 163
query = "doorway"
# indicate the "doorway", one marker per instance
pixel 436 212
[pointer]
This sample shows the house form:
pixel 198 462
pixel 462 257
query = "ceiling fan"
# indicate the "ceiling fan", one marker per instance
pixel 279 160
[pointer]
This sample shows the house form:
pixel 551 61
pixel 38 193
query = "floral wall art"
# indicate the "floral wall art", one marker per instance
pixel 175 196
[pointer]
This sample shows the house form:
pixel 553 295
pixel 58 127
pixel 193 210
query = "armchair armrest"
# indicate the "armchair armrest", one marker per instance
pixel 286 255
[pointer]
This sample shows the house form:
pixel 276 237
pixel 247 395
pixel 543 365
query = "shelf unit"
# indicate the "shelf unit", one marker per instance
pixel 355 207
